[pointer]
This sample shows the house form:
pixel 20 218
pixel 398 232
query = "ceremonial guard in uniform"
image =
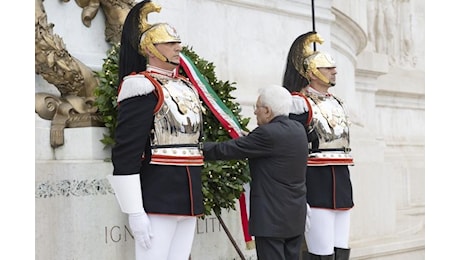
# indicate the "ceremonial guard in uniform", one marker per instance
pixel 309 75
pixel 157 160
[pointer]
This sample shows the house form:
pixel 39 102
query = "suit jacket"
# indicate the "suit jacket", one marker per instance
pixel 277 154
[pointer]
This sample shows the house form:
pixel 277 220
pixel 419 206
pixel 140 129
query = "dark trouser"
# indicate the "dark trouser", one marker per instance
pixel 275 248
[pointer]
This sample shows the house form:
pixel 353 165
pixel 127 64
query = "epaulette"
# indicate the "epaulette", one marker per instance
pixel 300 105
pixel 141 84
pixel 134 85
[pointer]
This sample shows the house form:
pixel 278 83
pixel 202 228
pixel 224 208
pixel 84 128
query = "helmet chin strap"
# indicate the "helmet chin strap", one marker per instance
pixel 172 62
pixel 321 77
pixel 315 71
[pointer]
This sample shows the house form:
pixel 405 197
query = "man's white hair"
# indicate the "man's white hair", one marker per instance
pixel 277 98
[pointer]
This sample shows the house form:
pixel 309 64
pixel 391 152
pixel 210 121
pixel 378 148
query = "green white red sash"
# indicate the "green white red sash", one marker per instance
pixel 226 119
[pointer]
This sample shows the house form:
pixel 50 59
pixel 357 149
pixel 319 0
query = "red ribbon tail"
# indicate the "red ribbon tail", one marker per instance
pixel 244 221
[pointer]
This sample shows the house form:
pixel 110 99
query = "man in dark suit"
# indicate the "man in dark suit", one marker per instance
pixel 277 151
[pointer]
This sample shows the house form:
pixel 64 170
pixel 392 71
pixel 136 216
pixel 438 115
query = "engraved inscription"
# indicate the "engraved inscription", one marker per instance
pixel 116 234
pixel 122 233
pixel 208 225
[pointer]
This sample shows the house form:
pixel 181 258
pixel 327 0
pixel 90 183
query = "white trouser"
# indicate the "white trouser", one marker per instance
pixel 328 229
pixel 172 238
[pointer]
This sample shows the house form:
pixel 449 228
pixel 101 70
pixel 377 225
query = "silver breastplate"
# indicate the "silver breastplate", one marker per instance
pixel 179 119
pixel 177 126
pixel 330 122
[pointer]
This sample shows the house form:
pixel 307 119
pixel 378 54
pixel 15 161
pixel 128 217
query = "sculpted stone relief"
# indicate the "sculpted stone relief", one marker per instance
pixel 389 30
pixel 73 79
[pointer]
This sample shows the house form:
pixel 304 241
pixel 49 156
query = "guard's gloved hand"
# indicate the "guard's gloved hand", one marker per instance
pixel 307 219
pixel 140 226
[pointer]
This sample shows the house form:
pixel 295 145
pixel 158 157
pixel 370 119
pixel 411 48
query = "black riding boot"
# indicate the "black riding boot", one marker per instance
pixel 342 253
pixel 310 256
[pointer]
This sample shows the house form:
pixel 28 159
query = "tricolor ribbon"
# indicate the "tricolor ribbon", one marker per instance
pixel 209 96
pixel 226 119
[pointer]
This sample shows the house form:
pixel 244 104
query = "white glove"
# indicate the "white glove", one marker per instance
pixel 140 226
pixel 307 219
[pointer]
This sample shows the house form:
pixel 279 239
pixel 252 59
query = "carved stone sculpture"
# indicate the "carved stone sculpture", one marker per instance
pixel 73 79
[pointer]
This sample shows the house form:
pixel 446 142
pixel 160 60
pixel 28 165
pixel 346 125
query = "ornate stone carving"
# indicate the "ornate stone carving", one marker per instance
pixel 77 188
pixel 67 111
pixel 390 30
pixel 115 12
pixel 73 79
